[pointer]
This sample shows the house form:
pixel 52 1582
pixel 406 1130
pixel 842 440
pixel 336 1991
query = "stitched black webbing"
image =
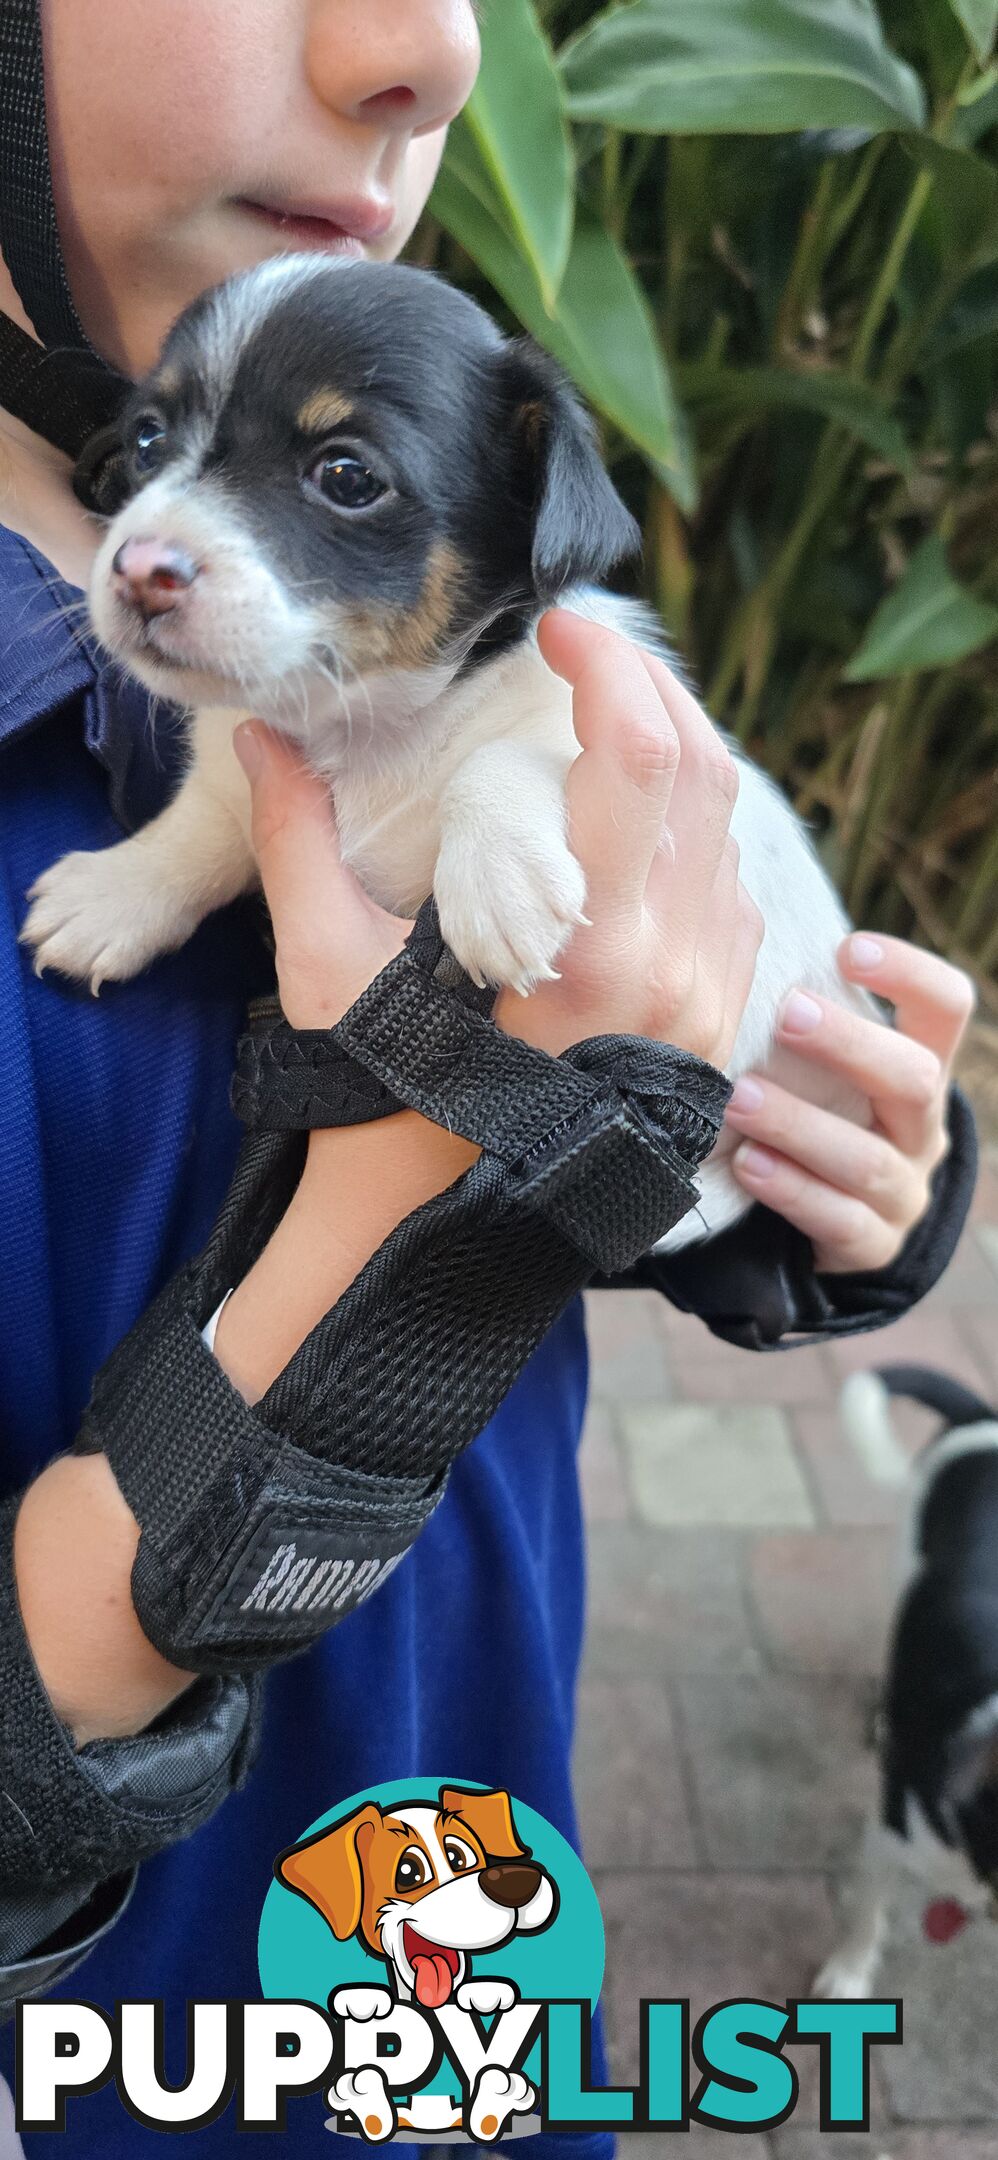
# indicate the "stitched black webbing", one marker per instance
pixel 28 230
pixel 60 388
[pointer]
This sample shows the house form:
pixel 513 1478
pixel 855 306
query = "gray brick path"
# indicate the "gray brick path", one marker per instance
pixel 741 1579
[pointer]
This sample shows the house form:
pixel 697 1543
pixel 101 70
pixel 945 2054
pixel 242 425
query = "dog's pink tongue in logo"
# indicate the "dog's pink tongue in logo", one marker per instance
pixel 435 1968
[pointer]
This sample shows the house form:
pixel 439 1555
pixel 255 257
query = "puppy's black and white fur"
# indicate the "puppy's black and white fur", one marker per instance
pixel 938 1738
pixel 350 500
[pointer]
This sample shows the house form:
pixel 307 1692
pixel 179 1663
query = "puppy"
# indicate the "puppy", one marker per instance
pixel 349 501
pixel 938 1741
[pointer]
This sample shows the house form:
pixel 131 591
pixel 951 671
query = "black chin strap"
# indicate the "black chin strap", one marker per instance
pixel 61 387
pixel 66 397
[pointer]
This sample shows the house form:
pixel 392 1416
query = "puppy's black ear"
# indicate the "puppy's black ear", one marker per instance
pixel 100 479
pixel 579 527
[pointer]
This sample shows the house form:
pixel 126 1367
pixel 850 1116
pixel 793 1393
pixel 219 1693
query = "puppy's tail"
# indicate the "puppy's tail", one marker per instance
pixel 865 1410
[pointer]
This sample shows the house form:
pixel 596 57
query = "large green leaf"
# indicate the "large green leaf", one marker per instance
pixel 739 67
pixel 980 21
pixel 928 621
pixel 833 397
pixel 976 110
pixel 972 319
pixel 962 208
pixel 517 117
pixel 600 327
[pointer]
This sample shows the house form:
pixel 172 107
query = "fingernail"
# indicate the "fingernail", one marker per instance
pixel 756 1161
pixel 801 1014
pixel 746 1095
pixel 865 953
pixel 247 748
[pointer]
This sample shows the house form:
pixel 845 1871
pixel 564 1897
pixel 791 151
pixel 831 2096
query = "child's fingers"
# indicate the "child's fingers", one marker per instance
pixel 933 1000
pixel 903 1079
pixel 849 1156
pixel 619 789
pixel 702 801
pixel 846 1234
pixel 294 829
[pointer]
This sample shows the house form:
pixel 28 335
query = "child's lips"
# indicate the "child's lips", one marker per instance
pixel 347 226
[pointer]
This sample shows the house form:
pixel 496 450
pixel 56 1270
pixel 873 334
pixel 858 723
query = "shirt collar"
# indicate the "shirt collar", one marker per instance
pixel 51 657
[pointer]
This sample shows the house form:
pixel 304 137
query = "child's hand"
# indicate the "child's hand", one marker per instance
pixel 857 1194
pixel 331 940
pixel 671 948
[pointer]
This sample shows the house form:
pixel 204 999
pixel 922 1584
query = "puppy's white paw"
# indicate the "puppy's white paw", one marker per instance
pixel 844 1979
pixel 486 1996
pixel 364 2093
pixel 508 902
pixel 498 2096
pixel 361 2003
pixel 101 917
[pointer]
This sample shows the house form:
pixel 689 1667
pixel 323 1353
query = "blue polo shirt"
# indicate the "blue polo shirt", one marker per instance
pixel 117 1147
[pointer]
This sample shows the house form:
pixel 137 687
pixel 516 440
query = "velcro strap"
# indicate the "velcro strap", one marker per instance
pixel 604 1139
pixel 250 1546
pixel 292 1079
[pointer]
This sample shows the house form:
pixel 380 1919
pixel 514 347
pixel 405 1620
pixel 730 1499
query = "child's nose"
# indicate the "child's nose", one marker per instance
pixel 407 67
pixel 151 576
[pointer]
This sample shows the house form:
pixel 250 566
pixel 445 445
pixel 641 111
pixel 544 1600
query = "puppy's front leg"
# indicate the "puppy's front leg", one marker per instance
pixel 102 916
pixel 509 891
pixel 848 1975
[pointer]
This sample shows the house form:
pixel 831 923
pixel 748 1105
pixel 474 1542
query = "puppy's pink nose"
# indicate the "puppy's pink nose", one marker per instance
pixel 151 576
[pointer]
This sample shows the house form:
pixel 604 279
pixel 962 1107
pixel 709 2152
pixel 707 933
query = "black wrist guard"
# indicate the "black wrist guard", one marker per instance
pixel 262 1526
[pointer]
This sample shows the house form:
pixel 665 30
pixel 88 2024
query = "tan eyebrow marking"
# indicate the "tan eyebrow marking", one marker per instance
pixel 326 409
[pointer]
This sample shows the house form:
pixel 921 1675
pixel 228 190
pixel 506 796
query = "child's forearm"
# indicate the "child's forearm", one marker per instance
pixel 359 1183
pixel 76 1538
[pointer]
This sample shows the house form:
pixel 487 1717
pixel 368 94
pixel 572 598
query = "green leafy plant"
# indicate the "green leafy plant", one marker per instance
pixel 762 235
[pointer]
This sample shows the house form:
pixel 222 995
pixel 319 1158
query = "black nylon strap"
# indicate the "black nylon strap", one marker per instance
pixel 295 1079
pixel 28 230
pixel 61 388
pixel 63 396
pixel 580 1137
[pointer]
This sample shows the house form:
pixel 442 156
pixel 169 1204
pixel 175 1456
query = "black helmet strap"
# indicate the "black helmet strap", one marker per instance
pixel 61 388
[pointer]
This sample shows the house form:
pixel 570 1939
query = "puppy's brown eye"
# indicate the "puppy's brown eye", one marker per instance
pixel 346 481
pixel 460 1857
pixel 413 1870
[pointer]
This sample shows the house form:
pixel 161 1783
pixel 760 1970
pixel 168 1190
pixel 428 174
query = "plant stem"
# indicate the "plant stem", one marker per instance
pixel 753 638
pixel 612 206
pixel 805 270
pixel 863 852
pixel 883 291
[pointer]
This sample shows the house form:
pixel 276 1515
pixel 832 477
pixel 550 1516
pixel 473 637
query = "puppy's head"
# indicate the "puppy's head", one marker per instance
pixel 424 1886
pixel 339 473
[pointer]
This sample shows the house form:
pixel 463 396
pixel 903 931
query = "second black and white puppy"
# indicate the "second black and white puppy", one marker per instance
pixel 936 1834
pixel 350 500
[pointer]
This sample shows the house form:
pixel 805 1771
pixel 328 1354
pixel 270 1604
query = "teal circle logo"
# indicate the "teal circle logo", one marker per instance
pixel 433 1921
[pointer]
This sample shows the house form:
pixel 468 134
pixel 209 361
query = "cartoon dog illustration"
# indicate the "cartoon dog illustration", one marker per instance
pixel 424 1887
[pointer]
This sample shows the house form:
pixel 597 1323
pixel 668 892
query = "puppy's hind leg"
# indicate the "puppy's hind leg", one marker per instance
pixel 849 1975
pixel 103 915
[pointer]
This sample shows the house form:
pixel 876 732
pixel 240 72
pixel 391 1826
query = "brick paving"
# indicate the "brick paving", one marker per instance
pixel 742 1567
